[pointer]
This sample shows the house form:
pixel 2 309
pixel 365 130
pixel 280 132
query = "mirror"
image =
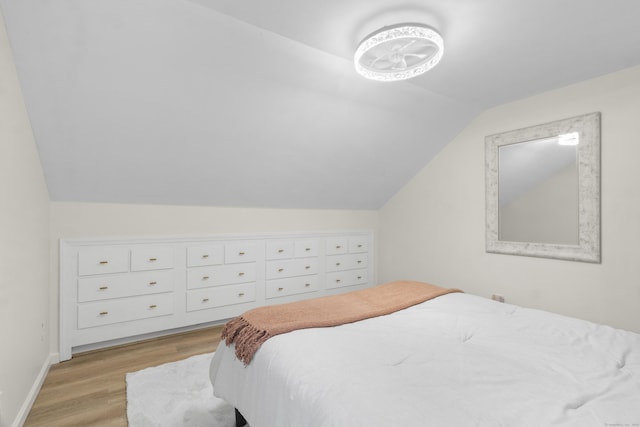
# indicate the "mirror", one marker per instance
pixel 543 190
pixel 538 192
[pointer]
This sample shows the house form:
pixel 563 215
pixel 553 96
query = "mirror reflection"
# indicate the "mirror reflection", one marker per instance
pixel 538 191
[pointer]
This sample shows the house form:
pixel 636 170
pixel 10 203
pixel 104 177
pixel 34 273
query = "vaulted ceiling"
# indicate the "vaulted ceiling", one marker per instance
pixel 256 103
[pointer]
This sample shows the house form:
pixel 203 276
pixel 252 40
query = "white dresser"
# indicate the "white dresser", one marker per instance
pixel 116 290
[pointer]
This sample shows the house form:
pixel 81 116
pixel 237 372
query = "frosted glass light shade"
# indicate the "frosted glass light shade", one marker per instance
pixel 398 52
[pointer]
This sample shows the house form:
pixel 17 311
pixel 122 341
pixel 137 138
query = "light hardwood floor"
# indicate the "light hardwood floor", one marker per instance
pixel 89 389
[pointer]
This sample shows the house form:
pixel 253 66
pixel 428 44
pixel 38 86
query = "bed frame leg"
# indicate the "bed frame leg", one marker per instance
pixel 240 421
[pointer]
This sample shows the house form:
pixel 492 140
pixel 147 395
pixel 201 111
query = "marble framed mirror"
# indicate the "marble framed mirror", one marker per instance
pixel 543 190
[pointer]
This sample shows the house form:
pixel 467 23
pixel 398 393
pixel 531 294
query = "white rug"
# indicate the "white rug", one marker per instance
pixel 176 394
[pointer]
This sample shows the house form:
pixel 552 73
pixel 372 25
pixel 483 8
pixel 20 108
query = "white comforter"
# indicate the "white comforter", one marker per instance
pixel 457 360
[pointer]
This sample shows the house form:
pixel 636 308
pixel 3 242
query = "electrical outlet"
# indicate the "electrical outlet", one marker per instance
pixel 497 297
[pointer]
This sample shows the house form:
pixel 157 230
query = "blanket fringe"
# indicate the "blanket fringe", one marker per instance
pixel 246 337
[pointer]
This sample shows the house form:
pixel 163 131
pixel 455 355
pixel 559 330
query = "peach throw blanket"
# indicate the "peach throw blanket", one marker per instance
pixel 254 327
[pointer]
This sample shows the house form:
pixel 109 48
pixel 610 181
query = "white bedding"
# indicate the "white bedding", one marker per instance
pixel 457 360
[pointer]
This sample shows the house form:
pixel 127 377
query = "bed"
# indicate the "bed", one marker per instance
pixel 454 360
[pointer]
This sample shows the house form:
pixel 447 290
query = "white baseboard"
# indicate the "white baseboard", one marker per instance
pixel 21 417
pixel 54 358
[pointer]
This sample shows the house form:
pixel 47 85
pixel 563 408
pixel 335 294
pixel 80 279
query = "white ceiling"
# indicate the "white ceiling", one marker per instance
pixel 256 103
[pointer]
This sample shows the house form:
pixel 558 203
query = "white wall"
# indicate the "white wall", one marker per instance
pixel 24 250
pixel 70 220
pixel 434 228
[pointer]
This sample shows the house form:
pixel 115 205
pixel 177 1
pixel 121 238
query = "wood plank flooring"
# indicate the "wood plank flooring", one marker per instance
pixel 89 389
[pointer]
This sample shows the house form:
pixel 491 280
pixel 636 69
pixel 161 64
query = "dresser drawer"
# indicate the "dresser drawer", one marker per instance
pixel 291 268
pixel 291 286
pixel 151 258
pixel 305 248
pixel 202 299
pixel 123 288
pixel 98 313
pixel 202 255
pixel 337 245
pixel 203 277
pixel 240 252
pixel 118 286
pixel 346 262
pixel 103 260
pixel 346 278
pixel 279 249
pixel 358 244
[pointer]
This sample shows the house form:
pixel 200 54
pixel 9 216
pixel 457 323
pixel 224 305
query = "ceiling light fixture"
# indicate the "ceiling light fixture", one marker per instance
pixel 398 52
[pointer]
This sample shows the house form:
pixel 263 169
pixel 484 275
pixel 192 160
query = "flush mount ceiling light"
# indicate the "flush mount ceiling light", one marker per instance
pixel 398 52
